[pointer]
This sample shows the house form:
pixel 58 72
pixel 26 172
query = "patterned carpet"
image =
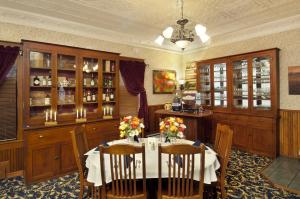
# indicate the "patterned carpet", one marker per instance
pixel 243 181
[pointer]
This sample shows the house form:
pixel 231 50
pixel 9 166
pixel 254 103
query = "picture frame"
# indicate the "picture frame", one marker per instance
pixel 294 80
pixel 164 81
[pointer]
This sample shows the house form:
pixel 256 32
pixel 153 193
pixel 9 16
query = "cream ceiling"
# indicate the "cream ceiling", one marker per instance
pixel 138 22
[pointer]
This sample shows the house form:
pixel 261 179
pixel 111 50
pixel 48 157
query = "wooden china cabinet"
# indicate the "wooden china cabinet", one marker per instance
pixel 242 91
pixel 66 86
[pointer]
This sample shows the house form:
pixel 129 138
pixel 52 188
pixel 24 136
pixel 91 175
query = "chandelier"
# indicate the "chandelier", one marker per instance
pixel 180 35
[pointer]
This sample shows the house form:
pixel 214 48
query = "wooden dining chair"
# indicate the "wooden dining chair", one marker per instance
pixel 181 183
pixel 124 183
pixel 223 143
pixel 80 147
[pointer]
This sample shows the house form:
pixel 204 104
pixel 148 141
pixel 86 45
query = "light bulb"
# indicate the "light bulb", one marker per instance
pixel 182 43
pixel 204 37
pixel 167 33
pixel 200 29
pixel 159 40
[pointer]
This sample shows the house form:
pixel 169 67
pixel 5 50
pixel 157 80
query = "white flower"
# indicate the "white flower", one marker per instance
pixel 182 126
pixel 142 125
pixel 176 124
pixel 180 134
pixel 128 117
pixel 161 123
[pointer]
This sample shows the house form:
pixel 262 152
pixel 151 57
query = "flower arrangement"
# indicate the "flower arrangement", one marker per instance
pixel 130 126
pixel 172 127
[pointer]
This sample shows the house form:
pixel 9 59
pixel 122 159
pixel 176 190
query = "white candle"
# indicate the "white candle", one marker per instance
pixel 81 113
pixel 77 113
pixel 55 116
pixel 104 111
pixel 110 110
pixel 84 113
pixel 50 116
pixel 46 116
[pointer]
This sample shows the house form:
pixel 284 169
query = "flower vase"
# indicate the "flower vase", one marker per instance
pixel 130 139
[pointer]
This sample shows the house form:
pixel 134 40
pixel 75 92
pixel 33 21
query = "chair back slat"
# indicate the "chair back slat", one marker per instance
pixel 123 172
pixel 181 170
pixel 80 147
pixel 223 145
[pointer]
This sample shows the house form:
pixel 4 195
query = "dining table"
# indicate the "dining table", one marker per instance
pixel 151 156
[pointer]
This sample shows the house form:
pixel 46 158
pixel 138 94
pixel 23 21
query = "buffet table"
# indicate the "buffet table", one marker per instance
pixel 193 121
pixel 151 152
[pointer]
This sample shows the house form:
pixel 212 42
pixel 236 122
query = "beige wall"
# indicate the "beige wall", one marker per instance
pixel 288 42
pixel 156 59
pixel 289 55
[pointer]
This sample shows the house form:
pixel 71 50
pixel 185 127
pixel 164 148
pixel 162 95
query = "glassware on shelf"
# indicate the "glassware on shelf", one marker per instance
pixel 39 91
pixel 90 84
pixel 205 85
pixel 261 83
pixel 240 84
pixel 66 81
pixel 220 84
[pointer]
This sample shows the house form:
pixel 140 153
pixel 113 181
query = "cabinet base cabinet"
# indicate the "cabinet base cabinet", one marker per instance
pixel 49 151
pixel 250 133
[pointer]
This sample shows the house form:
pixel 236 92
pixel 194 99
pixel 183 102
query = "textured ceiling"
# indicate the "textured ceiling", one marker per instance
pixel 140 21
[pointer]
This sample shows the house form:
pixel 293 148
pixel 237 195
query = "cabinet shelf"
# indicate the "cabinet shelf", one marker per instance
pixel 66 104
pixel 90 87
pixel 41 87
pixel 90 102
pixel 112 73
pixel 40 105
pixel 108 102
pixel 66 69
pixel 41 68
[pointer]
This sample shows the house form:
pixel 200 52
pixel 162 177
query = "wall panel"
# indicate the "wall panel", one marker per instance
pixel 290 133
pixel 14 152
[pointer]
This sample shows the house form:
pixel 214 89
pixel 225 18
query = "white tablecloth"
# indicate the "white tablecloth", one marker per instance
pixel 93 163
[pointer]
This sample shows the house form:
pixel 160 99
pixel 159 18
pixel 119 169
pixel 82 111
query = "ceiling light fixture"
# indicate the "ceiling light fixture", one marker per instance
pixel 180 35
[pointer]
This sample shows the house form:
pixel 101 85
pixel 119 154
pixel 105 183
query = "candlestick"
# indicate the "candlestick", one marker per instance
pixel 77 113
pixel 81 112
pixel 84 113
pixel 50 115
pixel 46 116
pixel 55 116
pixel 110 110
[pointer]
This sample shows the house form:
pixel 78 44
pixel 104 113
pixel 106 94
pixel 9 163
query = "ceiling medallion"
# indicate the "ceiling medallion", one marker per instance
pixel 180 35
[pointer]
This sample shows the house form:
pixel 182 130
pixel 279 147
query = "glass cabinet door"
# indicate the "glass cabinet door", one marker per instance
pixel 240 84
pixel 109 88
pixel 220 85
pixel 66 84
pixel 261 83
pixel 205 85
pixel 40 95
pixel 90 85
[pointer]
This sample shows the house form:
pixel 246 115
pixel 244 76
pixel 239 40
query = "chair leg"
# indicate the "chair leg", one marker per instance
pixel 81 191
pixel 223 192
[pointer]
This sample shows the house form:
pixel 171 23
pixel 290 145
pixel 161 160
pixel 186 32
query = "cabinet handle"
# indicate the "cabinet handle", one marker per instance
pixel 41 136
pixel 56 157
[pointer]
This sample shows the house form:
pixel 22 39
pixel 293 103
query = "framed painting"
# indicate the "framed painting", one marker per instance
pixel 164 81
pixel 294 80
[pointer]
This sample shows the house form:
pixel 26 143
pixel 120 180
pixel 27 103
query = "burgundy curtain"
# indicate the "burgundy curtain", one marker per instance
pixel 8 57
pixel 133 74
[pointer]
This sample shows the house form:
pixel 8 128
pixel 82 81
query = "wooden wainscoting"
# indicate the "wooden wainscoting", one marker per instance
pixel 13 152
pixel 290 133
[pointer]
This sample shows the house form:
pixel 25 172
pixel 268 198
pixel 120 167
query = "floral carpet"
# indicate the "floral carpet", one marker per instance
pixel 243 181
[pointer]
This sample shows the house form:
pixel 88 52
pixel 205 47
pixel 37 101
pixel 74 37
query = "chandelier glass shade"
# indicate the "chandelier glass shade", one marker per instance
pixel 180 35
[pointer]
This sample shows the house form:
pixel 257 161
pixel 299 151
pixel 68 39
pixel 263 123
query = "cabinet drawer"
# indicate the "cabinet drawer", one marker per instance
pixel 110 126
pixel 49 135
